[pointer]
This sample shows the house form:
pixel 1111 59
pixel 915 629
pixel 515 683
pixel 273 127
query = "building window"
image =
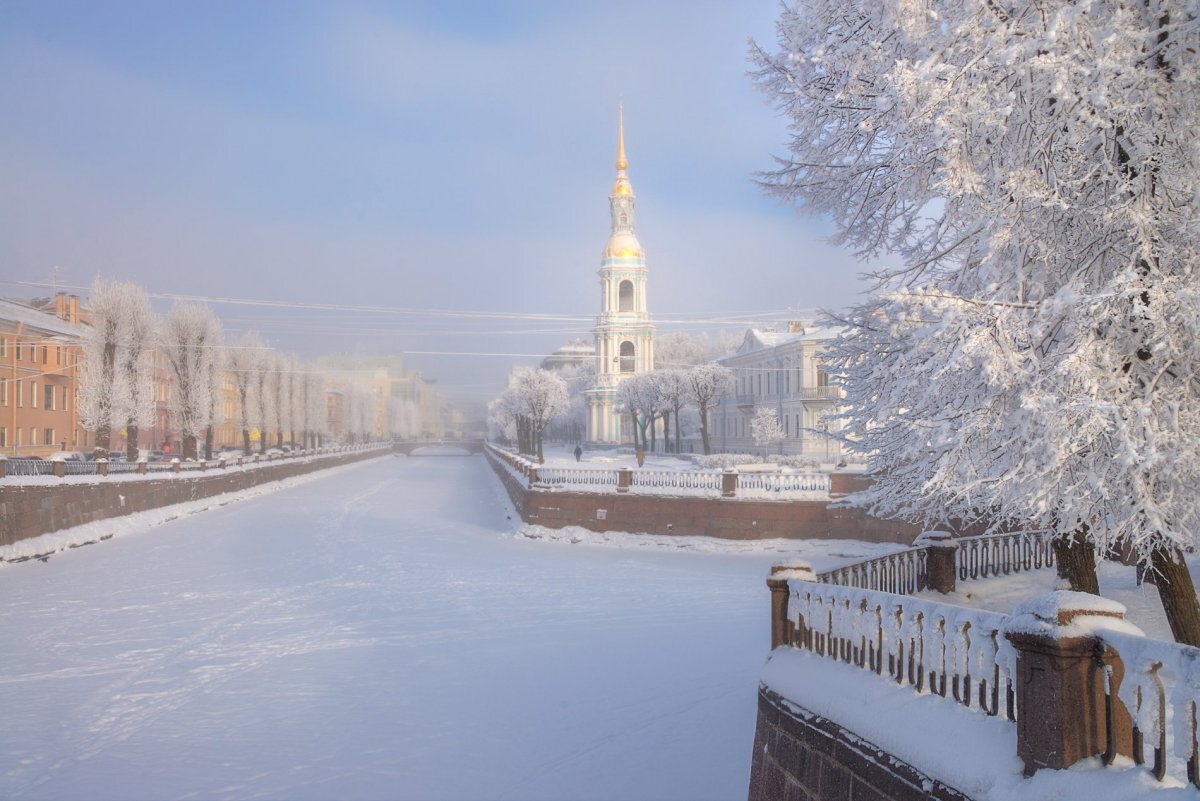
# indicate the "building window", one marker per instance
pixel 20 397
pixel 3 347
pixel 625 296
pixel 822 378
pixel 45 354
pixel 627 357
pixel 32 394
pixel 48 396
pixel 32 356
pixel 18 432
pixel 66 407
pixel 3 391
pixel 48 436
pixel 3 437
pixel 17 348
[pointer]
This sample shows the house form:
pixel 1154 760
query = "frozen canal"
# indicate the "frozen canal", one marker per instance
pixel 377 633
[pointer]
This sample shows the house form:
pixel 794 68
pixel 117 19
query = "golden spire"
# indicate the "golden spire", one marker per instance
pixel 622 164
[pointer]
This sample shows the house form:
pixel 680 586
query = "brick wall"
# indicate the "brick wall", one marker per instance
pixel 729 518
pixel 800 756
pixel 31 510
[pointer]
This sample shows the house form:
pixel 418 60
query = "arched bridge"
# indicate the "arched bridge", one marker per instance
pixel 409 445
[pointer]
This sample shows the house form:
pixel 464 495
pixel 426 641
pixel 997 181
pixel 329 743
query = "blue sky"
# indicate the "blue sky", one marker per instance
pixel 441 155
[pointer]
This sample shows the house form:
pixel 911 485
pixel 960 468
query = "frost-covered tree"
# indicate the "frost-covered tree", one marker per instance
pixel 190 340
pixel 1034 169
pixel 765 428
pixel 638 398
pixel 706 384
pixel 536 397
pixel 243 360
pixel 115 388
pixel 674 391
pixel 314 407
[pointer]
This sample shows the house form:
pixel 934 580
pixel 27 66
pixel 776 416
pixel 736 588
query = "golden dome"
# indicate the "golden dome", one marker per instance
pixel 621 186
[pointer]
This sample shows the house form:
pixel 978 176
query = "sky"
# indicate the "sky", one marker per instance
pixel 412 158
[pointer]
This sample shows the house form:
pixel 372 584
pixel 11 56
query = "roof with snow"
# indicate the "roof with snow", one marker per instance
pixel 12 311
pixel 760 338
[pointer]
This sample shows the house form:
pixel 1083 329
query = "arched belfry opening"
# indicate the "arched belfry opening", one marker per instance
pixel 625 296
pixel 627 357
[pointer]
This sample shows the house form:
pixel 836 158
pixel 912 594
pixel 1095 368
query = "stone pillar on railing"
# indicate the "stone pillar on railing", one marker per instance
pixel 533 476
pixel 1060 680
pixel 624 479
pixel 60 468
pixel 203 465
pixel 102 468
pixel 941 573
pixel 729 482
pixel 783 631
pixel 3 466
pixel 175 468
pixel 142 468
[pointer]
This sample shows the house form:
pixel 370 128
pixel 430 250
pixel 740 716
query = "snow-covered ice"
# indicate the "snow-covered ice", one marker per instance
pixel 381 632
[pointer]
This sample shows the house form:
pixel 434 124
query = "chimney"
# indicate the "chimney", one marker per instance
pixel 60 305
pixel 73 316
pixel 795 327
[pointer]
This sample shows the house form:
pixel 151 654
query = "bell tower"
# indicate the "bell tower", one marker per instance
pixel 623 332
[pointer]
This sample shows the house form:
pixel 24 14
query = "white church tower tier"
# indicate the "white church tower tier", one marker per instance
pixel 624 335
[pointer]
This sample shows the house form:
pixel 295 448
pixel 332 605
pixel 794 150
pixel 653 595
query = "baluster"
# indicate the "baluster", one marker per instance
pixel 1160 750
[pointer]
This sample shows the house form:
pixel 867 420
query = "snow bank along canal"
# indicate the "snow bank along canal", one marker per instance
pixel 378 633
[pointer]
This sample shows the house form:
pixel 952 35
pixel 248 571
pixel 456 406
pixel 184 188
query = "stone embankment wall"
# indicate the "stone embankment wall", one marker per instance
pixel 728 518
pixel 800 756
pixel 31 510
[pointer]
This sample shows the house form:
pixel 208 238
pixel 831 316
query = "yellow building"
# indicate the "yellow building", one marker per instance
pixel 40 344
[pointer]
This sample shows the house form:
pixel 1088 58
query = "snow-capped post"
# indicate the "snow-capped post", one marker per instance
pixel 940 552
pixel 141 467
pixel 783 630
pixel 1060 680
pixel 3 465
pixel 102 467
pixel 59 467
pixel 729 482
pixel 624 479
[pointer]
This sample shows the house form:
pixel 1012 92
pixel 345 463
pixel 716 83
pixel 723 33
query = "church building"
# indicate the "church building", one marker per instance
pixel 624 335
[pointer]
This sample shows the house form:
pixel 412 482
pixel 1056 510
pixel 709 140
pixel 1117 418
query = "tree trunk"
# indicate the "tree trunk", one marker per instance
pixel 246 441
pixel 103 437
pixel 189 447
pixel 704 428
pixel 653 434
pixel 131 442
pixel 208 442
pixel 541 456
pixel 678 432
pixel 666 416
pixel 1076 561
pixel 1177 593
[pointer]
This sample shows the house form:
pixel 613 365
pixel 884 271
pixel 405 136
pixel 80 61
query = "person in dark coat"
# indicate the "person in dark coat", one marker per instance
pixel 578 452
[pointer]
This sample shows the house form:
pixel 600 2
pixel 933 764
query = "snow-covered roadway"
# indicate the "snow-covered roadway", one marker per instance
pixel 378 633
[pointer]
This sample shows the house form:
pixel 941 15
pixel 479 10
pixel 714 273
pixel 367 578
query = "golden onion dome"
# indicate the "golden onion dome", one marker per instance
pixel 621 186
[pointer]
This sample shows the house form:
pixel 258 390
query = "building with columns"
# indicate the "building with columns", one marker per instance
pixel 623 333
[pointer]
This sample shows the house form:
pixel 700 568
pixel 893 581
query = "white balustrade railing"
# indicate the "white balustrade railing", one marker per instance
pixel 666 482
pixel 936 648
pixel 903 572
pixel 1161 691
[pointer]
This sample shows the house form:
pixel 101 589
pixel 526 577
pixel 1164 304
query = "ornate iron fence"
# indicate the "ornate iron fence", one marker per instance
pixel 1003 554
pixel 784 482
pixel 668 481
pixel 903 573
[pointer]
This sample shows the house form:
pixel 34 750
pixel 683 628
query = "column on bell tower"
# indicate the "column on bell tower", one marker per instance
pixel 623 332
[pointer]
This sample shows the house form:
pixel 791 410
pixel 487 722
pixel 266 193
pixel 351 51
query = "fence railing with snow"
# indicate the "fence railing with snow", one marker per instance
pixel 695 482
pixel 29 468
pixel 925 566
pixel 1077 679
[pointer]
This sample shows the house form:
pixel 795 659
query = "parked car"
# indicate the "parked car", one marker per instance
pixel 154 456
pixel 67 456
pixel 118 456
